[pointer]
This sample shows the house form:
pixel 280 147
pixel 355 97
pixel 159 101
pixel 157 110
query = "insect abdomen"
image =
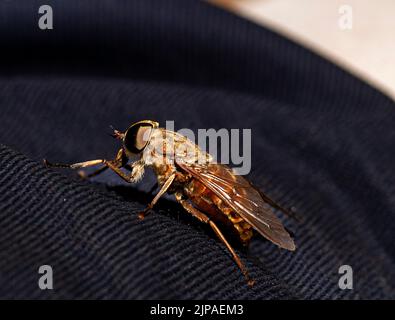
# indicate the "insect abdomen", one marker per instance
pixel 208 202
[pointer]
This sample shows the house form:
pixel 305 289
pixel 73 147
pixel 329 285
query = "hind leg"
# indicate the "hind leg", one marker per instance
pixel 204 218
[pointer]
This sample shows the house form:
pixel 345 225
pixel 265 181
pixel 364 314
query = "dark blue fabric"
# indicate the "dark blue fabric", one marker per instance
pixel 323 142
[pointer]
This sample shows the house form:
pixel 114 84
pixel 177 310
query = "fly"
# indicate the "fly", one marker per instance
pixel 209 191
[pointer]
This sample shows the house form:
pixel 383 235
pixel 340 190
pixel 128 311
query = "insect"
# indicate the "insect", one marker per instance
pixel 209 191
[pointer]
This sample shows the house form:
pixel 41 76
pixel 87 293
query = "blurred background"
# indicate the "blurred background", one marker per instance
pixel 358 35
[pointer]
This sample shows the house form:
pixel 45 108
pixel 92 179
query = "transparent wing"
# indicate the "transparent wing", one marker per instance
pixel 242 197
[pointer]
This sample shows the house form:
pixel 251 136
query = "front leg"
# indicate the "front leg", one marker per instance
pixel 120 161
pixel 115 165
pixel 135 176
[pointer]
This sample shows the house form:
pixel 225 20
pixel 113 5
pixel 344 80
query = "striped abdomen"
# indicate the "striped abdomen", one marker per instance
pixel 217 209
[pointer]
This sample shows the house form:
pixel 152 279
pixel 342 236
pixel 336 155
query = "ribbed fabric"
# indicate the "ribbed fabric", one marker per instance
pixel 322 142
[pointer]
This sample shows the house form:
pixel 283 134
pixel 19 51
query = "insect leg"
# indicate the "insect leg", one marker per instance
pixel 84 175
pixel 204 218
pixel 191 209
pixel 161 192
pixel 77 165
pixel 85 164
pixel 233 252
pixel 119 161
pixel 137 170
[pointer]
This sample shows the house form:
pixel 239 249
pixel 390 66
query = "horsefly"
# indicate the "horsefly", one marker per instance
pixel 209 191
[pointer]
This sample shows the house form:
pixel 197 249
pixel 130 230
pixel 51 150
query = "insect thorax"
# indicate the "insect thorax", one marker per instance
pixel 166 148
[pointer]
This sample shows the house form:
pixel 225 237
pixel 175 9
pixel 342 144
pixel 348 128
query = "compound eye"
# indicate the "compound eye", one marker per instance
pixel 137 137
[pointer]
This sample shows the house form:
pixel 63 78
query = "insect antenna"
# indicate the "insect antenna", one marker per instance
pixel 116 133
